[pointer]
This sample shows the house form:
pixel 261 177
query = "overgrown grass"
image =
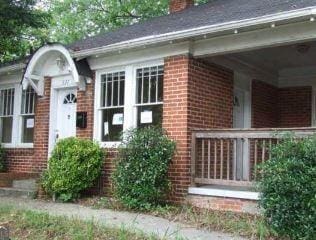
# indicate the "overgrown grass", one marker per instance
pixel 40 226
pixel 251 226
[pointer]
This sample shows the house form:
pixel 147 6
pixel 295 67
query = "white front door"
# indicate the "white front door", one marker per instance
pixel 66 113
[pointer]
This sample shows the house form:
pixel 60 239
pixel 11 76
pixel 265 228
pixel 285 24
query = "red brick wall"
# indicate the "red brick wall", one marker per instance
pixel 264 105
pixel 295 107
pixel 19 159
pixel 85 103
pixel 196 95
pixel 274 107
pixel 179 5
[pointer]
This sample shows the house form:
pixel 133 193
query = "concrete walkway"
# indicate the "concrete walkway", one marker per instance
pixel 144 223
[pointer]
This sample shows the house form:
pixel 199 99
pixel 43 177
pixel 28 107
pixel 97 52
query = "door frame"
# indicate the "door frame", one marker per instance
pixel 58 83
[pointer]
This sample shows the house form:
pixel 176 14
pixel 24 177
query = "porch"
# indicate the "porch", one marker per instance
pixel 224 161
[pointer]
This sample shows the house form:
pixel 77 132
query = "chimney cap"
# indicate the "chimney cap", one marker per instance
pixel 179 5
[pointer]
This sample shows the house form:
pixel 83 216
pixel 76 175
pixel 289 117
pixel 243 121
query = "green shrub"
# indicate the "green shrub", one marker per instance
pixel 288 188
pixel 140 178
pixel 2 157
pixel 74 166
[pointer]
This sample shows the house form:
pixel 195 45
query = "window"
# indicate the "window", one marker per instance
pixel 27 115
pixel 112 106
pixel 149 95
pixel 6 114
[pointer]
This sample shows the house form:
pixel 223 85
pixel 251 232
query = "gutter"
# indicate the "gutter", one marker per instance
pixel 195 32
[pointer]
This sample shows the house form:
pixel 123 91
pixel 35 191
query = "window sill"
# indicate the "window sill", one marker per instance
pixel 21 145
pixel 110 144
pixel 216 192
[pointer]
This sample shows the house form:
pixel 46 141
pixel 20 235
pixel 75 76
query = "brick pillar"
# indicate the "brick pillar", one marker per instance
pixel 85 103
pixel 196 95
pixel 41 129
pixel 179 5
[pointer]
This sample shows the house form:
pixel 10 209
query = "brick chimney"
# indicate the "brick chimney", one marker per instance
pixel 179 5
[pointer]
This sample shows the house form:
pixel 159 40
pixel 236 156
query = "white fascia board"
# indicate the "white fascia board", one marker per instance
pixel 14 67
pixel 140 56
pixel 215 192
pixel 205 30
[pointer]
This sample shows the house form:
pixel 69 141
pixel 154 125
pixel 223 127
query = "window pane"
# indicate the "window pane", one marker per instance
pixel 6 102
pixel 112 124
pixel 150 85
pixel 112 89
pixel 28 101
pixel 146 86
pixel 149 115
pixel 27 129
pixel 160 88
pixel 6 127
pixel 139 85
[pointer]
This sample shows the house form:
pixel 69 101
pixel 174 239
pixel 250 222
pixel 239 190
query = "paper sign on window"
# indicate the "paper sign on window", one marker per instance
pixel 118 119
pixel 30 123
pixel 146 117
pixel 106 128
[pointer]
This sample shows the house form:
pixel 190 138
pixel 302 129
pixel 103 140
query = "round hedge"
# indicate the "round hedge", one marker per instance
pixel 288 187
pixel 74 166
pixel 141 175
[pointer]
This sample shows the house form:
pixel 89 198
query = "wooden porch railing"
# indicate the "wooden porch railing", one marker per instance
pixel 230 156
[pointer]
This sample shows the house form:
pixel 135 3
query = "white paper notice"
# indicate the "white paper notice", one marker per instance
pixel 146 117
pixel 106 128
pixel 118 119
pixel 30 123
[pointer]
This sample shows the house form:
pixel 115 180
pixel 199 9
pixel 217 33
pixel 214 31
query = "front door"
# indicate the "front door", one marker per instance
pixel 66 113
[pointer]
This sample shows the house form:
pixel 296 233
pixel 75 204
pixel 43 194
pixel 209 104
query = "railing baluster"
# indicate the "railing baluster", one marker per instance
pixel 203 158
pixel 222 158
pixel 255 157
pixel 209 159
pixel 228 159
pixel 270 147
pixel 235 159
pixel 263 150
pixel 215 158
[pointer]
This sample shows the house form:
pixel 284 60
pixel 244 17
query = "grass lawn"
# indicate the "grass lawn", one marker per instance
pixel 245 225
pixel 32 225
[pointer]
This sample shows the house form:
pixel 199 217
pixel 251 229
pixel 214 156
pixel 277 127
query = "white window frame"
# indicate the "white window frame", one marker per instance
pixel 130 103
pixel 17 119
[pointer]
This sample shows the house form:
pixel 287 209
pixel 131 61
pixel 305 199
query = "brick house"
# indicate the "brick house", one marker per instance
pixel 220 77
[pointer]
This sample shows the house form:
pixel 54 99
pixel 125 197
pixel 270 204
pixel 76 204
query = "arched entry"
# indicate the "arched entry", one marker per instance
pixel 54 61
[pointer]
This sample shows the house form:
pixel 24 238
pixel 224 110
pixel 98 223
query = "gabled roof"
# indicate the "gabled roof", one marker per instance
pixel 212 13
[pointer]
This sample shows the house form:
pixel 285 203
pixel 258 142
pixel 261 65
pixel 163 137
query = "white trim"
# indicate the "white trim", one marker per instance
pixel 215 192
pixel 29 73
pixel 295 15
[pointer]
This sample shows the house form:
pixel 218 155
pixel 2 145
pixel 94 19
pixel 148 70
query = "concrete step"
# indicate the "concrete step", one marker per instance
pixel 27 184
pixel 18 193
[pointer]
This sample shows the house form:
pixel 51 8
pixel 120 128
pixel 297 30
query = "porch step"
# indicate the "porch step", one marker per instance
pixel 26 184
pixel 16 192
pixel 23 185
